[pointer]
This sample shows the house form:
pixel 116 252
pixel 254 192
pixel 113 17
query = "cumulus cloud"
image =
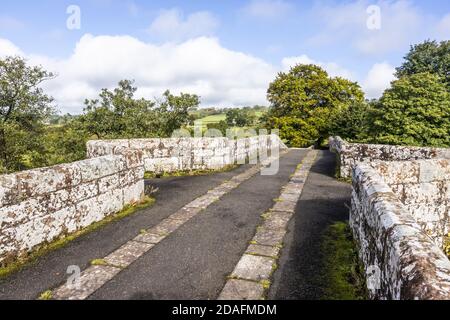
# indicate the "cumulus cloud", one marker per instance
pixel 7 48
pixel 333 69
pixel 378 79
pixel 267 9
pixel 202 66
pixel 172 24
pixel 401 24
pixel 373 84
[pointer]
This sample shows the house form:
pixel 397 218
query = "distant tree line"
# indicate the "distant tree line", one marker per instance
pixel 306 105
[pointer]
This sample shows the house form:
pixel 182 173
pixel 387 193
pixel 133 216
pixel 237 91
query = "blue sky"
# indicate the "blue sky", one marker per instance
pixel 227 51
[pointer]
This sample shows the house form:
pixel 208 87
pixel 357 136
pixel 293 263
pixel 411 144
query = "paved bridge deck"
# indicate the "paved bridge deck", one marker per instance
pixel 195 259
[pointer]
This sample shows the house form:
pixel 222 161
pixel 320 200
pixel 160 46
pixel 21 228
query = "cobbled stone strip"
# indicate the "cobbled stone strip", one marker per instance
pixel 95 277
pixel 250 279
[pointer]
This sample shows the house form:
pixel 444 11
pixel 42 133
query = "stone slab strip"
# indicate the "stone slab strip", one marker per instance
pixel 250 279
pixel 95 277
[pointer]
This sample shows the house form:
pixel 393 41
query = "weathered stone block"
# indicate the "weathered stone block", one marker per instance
pixel 255 268
pixel 83 191
pixel 277 220
pixel 93 169
pixel 242 290
pixel 267 251
pixel 269 237
pixel 108 183
pixel 133 193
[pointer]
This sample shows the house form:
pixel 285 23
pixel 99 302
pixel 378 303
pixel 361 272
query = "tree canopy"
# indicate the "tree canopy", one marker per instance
pixel 23 109
pixel 118 114
pixel 414 111
pixel 240 117
pixel 304 100
pixel 429 56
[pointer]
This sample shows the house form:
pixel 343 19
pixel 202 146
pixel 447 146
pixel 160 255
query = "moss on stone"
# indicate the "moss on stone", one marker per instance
pixel 266 284
pixel 344 277
pixel 47 295
pixel 187 173
pixel 25 259
pixel 99 262
pixel 265 216
pixel 447 245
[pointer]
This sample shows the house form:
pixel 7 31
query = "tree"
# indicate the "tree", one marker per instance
pixel 23 109
pixel 429 56
pixel 354 123
pixel 240 117
pixel 174 111
pixel 222 126
pixel 414 111
pixel 118 114
pixel 303 102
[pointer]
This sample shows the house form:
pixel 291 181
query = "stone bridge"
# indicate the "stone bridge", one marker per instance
pixel 244 232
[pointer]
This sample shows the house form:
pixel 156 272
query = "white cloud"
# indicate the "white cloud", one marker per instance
pixel 267 9
pixel 373 84
pixel 401 24
pixel 378 79
pixel 7 48
pixel 171 24
pixel 333 69
pixel 222 77
pixel 202 66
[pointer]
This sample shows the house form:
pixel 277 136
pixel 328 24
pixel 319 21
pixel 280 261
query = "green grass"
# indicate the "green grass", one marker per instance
pixel 214 118
pixel 16 264
pixel 344 276
pixel 47 295
pixel 99 262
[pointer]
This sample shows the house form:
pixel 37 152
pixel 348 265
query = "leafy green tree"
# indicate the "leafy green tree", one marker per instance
pixel 173 111
pixel 429 56
pixel 240 117
pixel 305 100
pixel 64 143
pixel 23 109
pixel 355 122
pixel 222 126
pixel 415 111
pixel 118 114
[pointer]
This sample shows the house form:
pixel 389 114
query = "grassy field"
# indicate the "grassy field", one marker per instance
pixel 222 117
pixel 213 119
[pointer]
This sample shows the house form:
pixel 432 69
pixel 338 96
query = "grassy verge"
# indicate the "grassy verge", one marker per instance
pixel 187 173
pixel 344 276
pixel 17 264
